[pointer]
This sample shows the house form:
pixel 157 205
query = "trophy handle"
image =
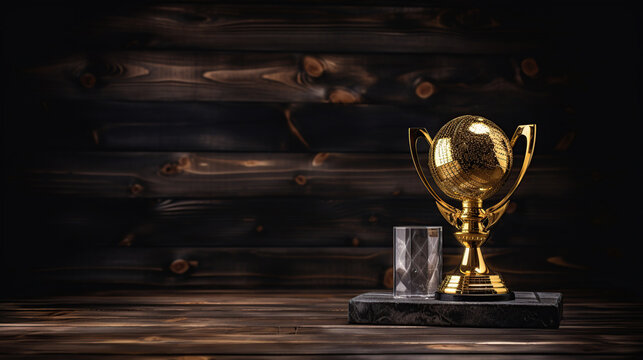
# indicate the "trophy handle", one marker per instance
pixel 450 213
pixel 529 132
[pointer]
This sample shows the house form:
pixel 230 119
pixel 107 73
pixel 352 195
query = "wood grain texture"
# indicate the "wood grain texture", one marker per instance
pixel 278 27
pixel 278 222
pixel 272 127
pixel 219 267
pixel 326 28
pixel 287 77
pixel 296 323
pixel 530 268
pixel 213 138
pixel 228 175
pixel 331 356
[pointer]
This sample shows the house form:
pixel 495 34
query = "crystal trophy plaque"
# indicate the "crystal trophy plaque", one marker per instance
pixel 418 260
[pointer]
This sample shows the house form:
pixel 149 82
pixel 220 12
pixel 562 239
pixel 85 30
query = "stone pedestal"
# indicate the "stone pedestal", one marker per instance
pixel 528 310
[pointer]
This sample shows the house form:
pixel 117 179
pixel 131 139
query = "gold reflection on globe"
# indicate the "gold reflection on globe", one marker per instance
pixel 470 158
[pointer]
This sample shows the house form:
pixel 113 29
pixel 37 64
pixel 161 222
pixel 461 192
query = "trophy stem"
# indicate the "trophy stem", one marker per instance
pixel 472 280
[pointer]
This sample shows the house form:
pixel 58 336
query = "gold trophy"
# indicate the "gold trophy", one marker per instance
pixel 470 159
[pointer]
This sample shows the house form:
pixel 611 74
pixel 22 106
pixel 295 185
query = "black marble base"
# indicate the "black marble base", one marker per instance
pixel 527 310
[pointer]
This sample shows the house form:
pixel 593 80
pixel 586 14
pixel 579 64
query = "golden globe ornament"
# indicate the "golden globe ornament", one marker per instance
pixel 470 159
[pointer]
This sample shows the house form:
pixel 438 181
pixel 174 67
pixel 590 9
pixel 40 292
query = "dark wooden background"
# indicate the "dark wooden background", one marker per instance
pixel 263 144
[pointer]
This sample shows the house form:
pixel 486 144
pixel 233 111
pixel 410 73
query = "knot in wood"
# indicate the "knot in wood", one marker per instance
pixel 342 96
pixel 529 67
pixel 424 90
pixel 179 266
pixel 355 241
pixel 300 180
pixel 136 189
pixel 313 66
pixel 87 80
pixel 171 169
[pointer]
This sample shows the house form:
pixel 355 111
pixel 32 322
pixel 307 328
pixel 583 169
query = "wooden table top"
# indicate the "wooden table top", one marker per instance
pixel 293 324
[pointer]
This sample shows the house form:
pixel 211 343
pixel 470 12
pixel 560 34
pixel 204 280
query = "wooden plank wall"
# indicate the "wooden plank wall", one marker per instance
pixel 241 144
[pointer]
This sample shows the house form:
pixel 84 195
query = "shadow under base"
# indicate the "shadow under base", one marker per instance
pixel 527 310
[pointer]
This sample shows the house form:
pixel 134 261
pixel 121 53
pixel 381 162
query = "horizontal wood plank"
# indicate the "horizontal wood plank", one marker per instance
pixel 294 323
pixel 271 127
pixel 274 27
pixel 533 269
pixel 221 267
pixel 240 127
pixel 277 222
pixel 228 175
pixel 295 77
pixel 327 28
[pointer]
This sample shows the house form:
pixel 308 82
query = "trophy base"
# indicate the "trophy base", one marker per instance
pixel 460 287
pixel 527 310
pixel 485 297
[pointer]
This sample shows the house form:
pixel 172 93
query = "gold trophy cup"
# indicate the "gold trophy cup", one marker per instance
pixel 470 159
